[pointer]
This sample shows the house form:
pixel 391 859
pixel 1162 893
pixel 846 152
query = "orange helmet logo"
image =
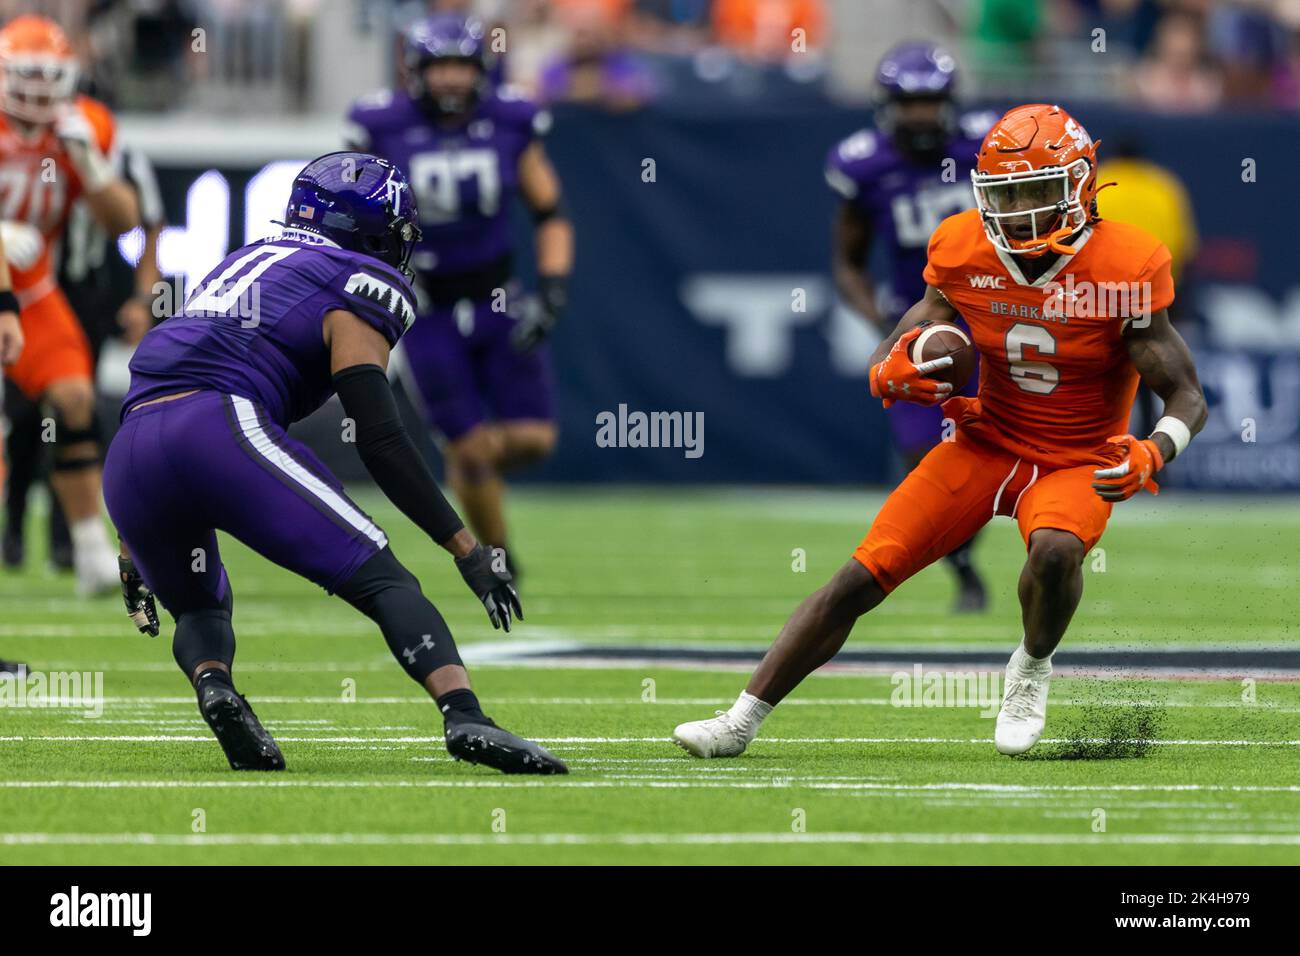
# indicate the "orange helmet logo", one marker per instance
pixel 38 70
pixel 1036 180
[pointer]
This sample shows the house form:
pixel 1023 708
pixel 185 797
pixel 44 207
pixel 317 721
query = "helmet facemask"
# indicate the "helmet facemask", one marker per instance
pixel 395 247
pixel 1033 211
pixel 921 138
pixel 35 88
pixel 449 101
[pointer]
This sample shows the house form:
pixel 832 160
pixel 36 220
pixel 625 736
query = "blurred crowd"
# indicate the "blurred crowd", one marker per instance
pixel 1178 56
pixel 1171 55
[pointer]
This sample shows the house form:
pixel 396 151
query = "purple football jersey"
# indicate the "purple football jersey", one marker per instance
pixel 904 200
pixel 253 328
pixel 464 176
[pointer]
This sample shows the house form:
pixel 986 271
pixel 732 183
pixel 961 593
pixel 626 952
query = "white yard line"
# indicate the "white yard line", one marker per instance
pixel 502 783
pixel 418 701
pixel 639 839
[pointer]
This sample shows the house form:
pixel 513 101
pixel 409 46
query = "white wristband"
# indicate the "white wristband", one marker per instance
pixel 1175 431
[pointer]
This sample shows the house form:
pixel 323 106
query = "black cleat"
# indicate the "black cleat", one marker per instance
pixel 499 749
pixel 247 744
pixel 12 550
pixel 60 550
pixel 18 670
pixel 61 556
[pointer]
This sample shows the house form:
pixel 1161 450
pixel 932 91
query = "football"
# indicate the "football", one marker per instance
pixel 938 339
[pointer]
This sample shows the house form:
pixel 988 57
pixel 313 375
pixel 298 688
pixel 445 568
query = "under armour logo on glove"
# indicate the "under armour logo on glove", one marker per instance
pixel 907 378
pixel 1142 460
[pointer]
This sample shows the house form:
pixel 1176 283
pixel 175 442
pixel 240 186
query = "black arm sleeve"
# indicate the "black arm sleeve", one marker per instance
pixel 389 454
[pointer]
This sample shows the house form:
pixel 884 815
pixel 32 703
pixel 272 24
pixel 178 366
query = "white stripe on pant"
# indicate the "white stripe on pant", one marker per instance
pixel 264 445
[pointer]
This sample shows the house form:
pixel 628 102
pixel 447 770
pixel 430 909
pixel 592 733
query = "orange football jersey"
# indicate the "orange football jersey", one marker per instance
pixel 1055 377
pixel 38 186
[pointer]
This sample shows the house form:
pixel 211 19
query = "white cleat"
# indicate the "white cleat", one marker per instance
pixel 96 570
pixel 1023 714
pixel 717 737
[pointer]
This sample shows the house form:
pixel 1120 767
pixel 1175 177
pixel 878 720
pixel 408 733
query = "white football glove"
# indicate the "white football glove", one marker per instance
pixel 74 130
pixel 73 126
pixel 23 243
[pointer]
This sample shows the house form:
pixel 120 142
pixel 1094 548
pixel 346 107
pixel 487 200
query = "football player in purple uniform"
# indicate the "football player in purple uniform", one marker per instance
pixel 276 329
pixel 478 356
pixel 897 183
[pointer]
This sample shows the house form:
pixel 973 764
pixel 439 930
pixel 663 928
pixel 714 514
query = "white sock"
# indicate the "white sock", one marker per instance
pixel 747 713
pixel 1022 663
pixel 88 535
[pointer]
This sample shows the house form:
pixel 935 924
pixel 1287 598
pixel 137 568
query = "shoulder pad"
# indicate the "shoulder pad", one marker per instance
pixel 861 145
pixel 377 100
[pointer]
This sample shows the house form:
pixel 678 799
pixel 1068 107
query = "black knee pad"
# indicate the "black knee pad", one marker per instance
pixel 388 594
pixel 65 437
pixel 204 635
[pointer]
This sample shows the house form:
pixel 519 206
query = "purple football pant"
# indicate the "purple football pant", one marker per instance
pixel 468 373
pixel 178 471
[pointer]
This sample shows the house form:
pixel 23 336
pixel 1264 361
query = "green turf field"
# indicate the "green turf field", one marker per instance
pixel 839 775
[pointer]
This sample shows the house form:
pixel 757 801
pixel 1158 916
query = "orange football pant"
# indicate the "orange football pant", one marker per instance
pixel 957 488
pixel 55 347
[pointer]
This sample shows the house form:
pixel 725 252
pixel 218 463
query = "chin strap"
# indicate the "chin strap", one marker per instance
pixel 1054 240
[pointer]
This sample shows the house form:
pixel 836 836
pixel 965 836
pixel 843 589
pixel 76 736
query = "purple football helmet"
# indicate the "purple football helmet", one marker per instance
pixel 910 72
pixel 360 202
pixel 442 38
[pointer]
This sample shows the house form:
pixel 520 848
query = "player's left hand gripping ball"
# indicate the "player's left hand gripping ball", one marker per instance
pixel 897 378
pixel 485 571
pixel 138 598
pixel 1142 460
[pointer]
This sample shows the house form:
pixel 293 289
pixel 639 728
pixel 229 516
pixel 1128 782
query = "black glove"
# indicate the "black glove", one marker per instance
pixel 485 571
pixel 541 313
pixel 138 598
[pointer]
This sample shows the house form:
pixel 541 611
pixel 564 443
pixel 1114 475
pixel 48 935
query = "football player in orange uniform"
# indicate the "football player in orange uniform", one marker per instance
pixel 11 345
pixel 1068 313
pixel 56 147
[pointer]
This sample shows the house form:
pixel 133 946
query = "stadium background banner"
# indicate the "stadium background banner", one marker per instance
pixel 702 287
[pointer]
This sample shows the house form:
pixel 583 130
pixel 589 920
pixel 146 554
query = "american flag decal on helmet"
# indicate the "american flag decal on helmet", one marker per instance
pixel 306 212
pixel 377 290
